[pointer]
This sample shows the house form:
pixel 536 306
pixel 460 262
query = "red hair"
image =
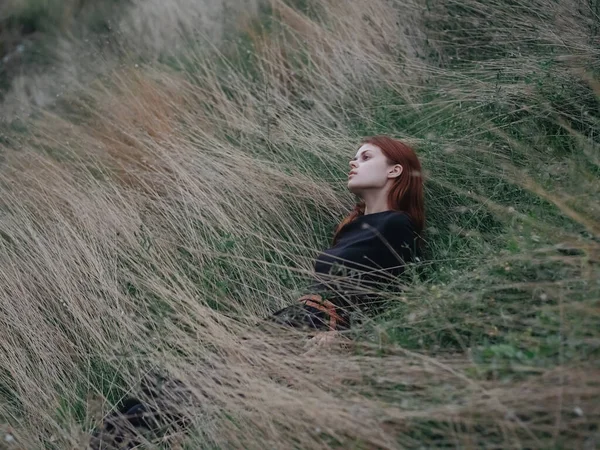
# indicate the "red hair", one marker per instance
pixel 406 194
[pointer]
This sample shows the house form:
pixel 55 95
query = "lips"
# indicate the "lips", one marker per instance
pixel 351 173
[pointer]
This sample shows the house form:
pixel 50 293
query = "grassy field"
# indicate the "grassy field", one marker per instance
pixel 180 186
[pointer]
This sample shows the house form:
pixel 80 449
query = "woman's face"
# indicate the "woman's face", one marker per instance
pixel 370 170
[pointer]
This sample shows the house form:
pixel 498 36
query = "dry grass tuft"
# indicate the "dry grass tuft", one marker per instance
pixel 150 219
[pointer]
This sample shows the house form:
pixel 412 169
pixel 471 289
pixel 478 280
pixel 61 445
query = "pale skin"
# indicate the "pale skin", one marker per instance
pixel 371 177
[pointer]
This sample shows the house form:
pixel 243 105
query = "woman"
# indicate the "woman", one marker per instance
pixel 372 244
pixel 370 247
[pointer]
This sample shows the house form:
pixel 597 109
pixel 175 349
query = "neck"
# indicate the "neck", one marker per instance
pixel 375 202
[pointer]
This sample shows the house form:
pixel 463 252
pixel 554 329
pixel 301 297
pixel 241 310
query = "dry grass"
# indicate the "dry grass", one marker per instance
pixel 151 219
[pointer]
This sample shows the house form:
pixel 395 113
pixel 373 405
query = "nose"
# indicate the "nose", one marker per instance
pixel 353 164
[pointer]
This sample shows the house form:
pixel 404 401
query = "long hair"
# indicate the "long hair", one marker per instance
pixel 406 194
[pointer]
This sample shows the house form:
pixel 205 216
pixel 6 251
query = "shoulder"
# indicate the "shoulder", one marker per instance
pixel 398 220
pixel 399 231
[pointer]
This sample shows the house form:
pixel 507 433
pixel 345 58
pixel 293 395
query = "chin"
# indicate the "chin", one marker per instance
pixel 353 188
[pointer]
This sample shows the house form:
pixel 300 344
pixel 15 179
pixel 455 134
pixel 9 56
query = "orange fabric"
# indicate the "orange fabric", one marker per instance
pixel 317 302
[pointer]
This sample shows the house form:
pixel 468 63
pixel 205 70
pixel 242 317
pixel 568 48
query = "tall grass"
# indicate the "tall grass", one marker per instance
pixel 152 217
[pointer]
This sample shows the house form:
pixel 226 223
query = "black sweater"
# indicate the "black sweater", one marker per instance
pixel 369 253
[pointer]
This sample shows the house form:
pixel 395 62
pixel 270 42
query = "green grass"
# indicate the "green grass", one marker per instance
pixel 51 16
pixel 32 32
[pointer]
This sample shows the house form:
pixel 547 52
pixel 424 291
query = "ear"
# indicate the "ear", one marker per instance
pixel 395 171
